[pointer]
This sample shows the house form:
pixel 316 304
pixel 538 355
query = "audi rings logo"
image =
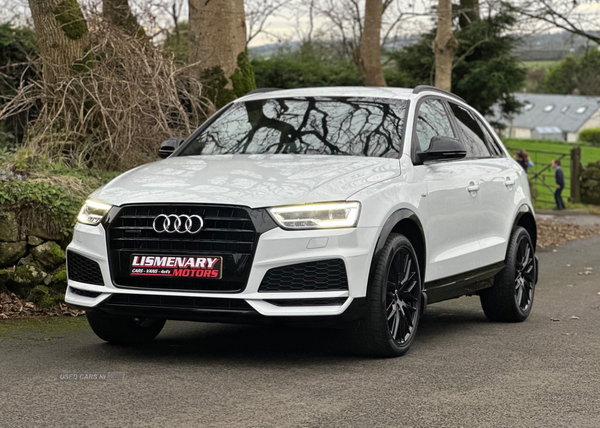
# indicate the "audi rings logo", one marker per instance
pixel 178 223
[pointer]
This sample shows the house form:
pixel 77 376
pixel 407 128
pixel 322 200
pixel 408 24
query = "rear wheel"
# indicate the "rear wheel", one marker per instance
pixel 511 297
pixel 125 331
pixel 394 301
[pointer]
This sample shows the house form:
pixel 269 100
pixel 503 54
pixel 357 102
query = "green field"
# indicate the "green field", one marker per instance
pixel 536 65
pixel 535 148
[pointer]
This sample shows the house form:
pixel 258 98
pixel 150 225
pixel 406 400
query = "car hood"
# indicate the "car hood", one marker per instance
pixel 250 180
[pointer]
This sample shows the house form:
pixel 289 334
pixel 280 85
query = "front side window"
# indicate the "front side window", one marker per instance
pixel 306 125
pixel 473 137
pixel 432 121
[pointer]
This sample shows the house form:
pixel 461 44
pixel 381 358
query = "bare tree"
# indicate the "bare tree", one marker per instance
pixel 369 53
pixel 468 12
pixel 568 15
pixel 62 35
pixel 258 13
pixel 217 34
pixel 118 13
pixel 444 45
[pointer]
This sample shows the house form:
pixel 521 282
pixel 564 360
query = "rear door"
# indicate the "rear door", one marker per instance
pixel 497 182
pixel 452 201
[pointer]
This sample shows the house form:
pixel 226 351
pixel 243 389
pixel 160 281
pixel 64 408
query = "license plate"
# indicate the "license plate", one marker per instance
pixel 177 266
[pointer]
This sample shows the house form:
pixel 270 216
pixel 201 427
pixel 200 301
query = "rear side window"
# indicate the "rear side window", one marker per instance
pixel 490 141
pixel 472 134
pixel 432 121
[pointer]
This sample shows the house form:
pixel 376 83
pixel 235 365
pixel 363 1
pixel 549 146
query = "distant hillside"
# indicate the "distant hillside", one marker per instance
pixel 538 47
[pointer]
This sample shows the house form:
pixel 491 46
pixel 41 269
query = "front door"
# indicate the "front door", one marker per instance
pixel 452 199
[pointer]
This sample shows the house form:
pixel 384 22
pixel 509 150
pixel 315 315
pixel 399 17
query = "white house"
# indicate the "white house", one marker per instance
pixel 552 117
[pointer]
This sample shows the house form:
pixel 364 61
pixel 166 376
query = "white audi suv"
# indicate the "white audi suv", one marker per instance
pixel 347 206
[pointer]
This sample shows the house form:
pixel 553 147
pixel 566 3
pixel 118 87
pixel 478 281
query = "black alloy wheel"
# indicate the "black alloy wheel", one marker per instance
pixel 394 299
pixel 402 296
pixel 510 299
pixel 524 280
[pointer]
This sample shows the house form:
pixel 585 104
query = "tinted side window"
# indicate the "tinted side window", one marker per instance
pixel 473 136
pixel 432 121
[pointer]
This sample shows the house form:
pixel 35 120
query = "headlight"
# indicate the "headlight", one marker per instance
pixel 93 212
pixel 317 216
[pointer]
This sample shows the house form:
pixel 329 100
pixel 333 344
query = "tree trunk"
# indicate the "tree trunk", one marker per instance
pixel 444 45
pixel 369 57
pixel 62 35
pixel 468 12
pixel 217 30
pixel 118 13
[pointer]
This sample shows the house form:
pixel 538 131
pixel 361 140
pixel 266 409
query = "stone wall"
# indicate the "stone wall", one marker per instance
pixel 590 184
pixel 33 266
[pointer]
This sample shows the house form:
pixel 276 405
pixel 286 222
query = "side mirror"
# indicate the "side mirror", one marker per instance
pixel 169 146
pixel 443 148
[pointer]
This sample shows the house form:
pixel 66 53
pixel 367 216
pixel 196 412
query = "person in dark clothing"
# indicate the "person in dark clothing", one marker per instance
pixel 559 176
pixel 524 160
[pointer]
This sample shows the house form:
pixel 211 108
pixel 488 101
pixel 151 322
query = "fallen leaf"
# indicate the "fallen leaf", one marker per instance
pixel 568 265
pixel 554 319
pixel 573 317
pixel 569 285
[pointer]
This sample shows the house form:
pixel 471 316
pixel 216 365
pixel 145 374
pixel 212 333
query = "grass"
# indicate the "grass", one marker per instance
pixel 536 65
pixel 42 328
pixel 545 196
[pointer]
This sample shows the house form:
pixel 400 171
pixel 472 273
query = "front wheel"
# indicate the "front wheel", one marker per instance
pixel 511 297
pixel 394 301
pixel 125 331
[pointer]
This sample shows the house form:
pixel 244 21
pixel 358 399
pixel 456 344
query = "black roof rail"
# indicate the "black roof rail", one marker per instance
pixel 423 88
pixel 261 90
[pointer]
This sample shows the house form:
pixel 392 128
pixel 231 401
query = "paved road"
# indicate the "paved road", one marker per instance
pixel 462 371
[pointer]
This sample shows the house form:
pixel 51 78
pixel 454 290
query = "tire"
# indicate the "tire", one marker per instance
pixel 125 331
pixel 511 297
pixel 394 301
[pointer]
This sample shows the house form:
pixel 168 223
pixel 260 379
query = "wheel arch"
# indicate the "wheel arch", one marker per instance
pixel 526 220
pixel 407 223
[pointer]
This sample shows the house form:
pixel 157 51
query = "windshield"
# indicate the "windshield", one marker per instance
pixel 308 125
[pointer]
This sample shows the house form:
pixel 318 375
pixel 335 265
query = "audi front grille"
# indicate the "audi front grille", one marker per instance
pixel 229 232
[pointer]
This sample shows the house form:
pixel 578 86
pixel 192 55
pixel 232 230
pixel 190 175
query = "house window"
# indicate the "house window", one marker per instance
pixel 564 109
pixel 549 108
pixel 581 110
pixel 528 106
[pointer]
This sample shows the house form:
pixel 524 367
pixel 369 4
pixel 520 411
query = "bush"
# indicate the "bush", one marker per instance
pixel 591 136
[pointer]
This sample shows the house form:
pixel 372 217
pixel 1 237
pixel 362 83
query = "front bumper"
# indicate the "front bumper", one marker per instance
pixel 276 248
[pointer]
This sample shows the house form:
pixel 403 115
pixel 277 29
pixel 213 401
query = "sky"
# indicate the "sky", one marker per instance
pixel 288 22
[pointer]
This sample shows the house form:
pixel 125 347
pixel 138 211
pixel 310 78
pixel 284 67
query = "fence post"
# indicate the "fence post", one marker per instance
pixel 575 174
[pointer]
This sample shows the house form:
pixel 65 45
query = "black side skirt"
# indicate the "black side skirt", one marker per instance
pixel 463 284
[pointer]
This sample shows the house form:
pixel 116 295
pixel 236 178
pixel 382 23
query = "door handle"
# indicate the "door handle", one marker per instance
pixel 472 187
pixel 509 182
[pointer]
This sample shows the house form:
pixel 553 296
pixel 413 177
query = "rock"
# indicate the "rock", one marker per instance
pixel 593 172
pixel 59 281
pixel 23 278
pixel 34 241
pixel 26 260
pixel 11 252
pixel 39 294
pixel 49 255
pixel 45 235
pixel 9 228
pixel 589 183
